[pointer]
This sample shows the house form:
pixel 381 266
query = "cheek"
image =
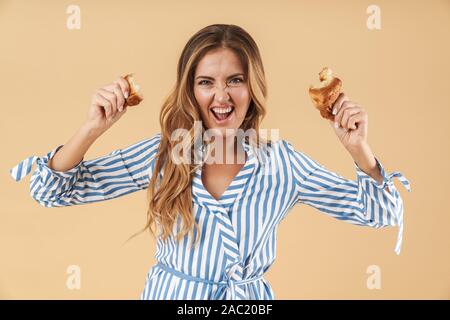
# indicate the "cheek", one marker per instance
pixel 202 100
pixel 242 100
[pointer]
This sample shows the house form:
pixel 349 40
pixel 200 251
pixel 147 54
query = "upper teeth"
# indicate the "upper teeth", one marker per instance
pixel 222 110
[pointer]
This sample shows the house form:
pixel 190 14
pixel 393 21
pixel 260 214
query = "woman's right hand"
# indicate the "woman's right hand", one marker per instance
pixel 108 105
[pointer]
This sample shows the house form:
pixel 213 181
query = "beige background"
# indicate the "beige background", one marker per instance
pixel 399 74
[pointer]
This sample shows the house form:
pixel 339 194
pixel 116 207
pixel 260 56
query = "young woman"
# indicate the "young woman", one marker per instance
pixel 216 222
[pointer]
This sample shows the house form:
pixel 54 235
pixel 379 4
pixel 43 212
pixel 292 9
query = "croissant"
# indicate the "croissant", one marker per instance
pixel 135 96
pixel 326 94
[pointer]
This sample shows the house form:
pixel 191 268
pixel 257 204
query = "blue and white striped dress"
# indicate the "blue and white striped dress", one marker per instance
pixel 237 232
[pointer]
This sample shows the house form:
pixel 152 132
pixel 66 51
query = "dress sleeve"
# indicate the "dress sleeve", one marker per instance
pixel 361 202
pixel 118 173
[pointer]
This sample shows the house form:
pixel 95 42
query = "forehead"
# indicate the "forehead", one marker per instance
pixel 219 62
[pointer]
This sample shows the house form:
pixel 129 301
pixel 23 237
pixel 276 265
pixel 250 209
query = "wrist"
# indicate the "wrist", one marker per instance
pixel 90 131
pixel 362 147
pixel 364 158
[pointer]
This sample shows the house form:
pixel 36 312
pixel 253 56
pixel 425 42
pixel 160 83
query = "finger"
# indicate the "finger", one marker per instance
pixel 121 90
pixel 108 96
pixel 101 101
pixel 338 103
pixel 124 85
pixel 355 120
pixel 117 90
pixel 111 96
pixel 338 117
pixel 120 97
pixel 348 112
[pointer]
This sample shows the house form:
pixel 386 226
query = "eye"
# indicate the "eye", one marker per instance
pixel 240 80
pixel 202 82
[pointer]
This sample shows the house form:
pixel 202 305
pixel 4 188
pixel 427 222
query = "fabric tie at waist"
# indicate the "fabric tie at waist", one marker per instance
pixel 229 283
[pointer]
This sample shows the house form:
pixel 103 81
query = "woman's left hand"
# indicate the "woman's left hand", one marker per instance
pixel 350 123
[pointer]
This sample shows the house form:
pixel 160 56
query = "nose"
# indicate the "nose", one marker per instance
pixel 222 93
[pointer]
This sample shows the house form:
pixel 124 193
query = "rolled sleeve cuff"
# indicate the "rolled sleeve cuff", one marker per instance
pixel 24 167
pixel 364 178
pixel 387 178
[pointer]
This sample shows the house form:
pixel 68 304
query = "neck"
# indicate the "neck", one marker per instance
pixel 232 151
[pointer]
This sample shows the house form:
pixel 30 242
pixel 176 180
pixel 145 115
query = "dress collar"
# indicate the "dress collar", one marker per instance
pixel 234 190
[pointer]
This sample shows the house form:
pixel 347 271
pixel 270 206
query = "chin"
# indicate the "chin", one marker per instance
pixel 222 131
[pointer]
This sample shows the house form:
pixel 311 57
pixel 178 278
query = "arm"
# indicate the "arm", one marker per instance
pixel 62 178
pixel 363 202
pixel 120 172
pixel 365 160
pixel 74 150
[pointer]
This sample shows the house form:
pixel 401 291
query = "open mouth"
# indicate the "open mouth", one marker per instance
pixel 222 114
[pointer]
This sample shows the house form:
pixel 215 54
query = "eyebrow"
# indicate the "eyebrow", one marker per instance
pixel 211 78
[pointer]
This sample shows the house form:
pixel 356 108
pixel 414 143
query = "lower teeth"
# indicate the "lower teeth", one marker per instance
pixel 222 116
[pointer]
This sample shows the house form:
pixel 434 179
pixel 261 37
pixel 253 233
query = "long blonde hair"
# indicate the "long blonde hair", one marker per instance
pixel 170 197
